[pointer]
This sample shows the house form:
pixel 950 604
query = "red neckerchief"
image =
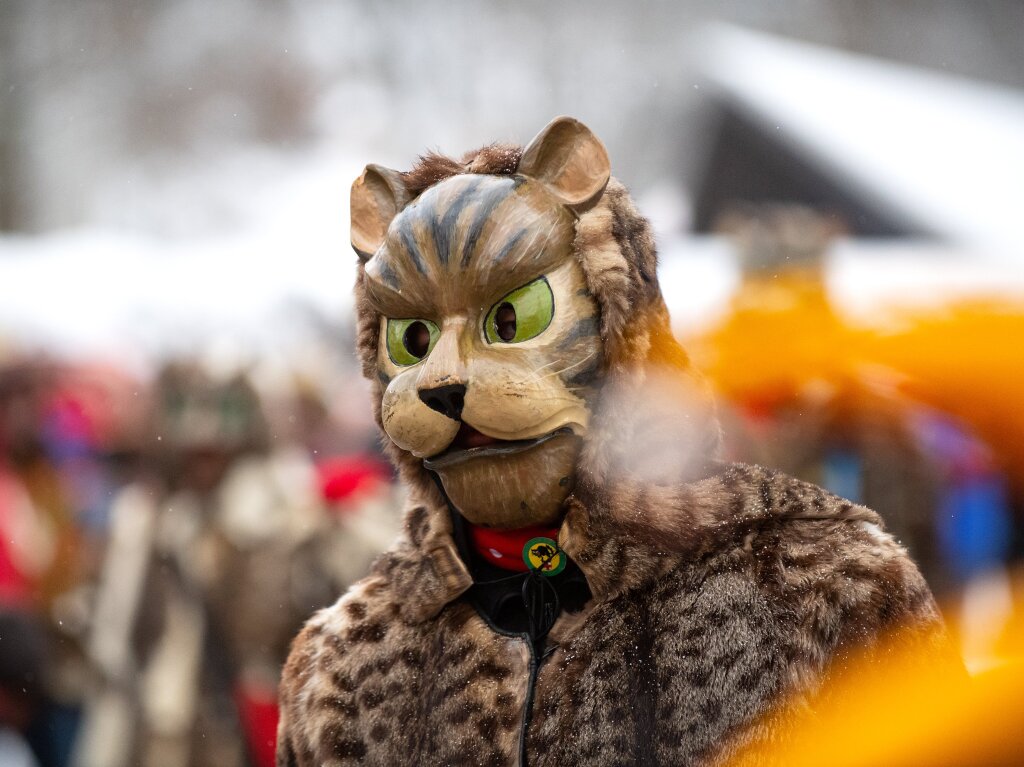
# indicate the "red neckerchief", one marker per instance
pixel 504 548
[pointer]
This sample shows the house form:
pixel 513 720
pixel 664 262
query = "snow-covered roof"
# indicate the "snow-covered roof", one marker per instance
pixel 943 152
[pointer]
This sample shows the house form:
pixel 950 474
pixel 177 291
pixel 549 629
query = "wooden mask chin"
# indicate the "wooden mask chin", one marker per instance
pixel 490 346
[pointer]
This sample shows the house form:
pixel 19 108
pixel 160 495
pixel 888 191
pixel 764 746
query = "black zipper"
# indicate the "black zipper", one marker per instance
pixel 531 686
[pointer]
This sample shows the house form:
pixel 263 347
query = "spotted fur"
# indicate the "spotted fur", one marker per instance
pixel 721 593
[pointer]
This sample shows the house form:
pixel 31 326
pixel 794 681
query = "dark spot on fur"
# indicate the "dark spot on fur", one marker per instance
pixel 693 634
pixel 617 715
pixel 371 698
pixel 488 669
pixel 711 710
pixel 726 661
pixel 749 679
pixel 370 632
pixel 356 610
pixel 349 747
pixel 378 732
pixel 699 676
pixel 668 738
pixel 509 719
pixel 630 232
pixel 463 710
pixel 343 682
pixel 412 657
pixel 364 673
pixel 487 726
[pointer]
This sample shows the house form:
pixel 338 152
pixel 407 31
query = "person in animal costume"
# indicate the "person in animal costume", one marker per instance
pixel 579 581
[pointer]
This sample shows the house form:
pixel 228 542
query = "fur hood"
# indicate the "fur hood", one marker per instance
pixel 622 540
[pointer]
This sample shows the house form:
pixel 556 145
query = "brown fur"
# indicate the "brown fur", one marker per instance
pixel 433 168
pixel 721 592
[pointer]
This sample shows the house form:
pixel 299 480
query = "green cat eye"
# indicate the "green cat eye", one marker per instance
pixel 409 341
pixel 523 314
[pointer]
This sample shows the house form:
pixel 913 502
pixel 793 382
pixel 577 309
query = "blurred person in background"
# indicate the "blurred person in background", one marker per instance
pixel 159 634
pixel 23 555
pixel 50 456
pixel 228 538
pixel 807 400
pixel 22 693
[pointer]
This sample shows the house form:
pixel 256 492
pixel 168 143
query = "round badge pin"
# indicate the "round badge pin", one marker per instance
pixel 543 554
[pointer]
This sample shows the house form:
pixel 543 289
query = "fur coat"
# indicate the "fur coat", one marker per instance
pixel 721 593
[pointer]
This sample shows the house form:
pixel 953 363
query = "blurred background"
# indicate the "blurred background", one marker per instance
pixel 188 466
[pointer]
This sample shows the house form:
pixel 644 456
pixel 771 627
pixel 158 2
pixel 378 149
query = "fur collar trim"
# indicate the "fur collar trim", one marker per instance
pixel 623 537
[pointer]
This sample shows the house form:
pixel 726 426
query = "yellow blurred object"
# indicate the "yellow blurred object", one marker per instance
pixel 783 340
pixel 781 337
pixel 882 709
pixel 968 360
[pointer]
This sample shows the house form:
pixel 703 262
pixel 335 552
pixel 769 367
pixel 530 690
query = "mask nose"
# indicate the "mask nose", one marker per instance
pixel 446 400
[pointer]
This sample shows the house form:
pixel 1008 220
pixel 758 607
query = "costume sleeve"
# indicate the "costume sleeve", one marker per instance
pixel 292 742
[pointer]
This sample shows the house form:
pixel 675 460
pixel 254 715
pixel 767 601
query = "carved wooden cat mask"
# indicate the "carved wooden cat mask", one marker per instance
pixel 489 346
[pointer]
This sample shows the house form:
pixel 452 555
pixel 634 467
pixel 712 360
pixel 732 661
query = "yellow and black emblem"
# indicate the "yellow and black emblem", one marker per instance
pixel 543 554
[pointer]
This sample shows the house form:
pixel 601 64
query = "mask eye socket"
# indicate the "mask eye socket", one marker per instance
pixel 409 341
pixel 523 314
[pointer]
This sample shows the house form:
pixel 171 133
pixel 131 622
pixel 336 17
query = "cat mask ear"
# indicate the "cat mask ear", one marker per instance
pixel 570 160
pixel 377 196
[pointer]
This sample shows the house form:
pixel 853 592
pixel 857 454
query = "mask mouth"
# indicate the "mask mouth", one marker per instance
pixel 470 443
